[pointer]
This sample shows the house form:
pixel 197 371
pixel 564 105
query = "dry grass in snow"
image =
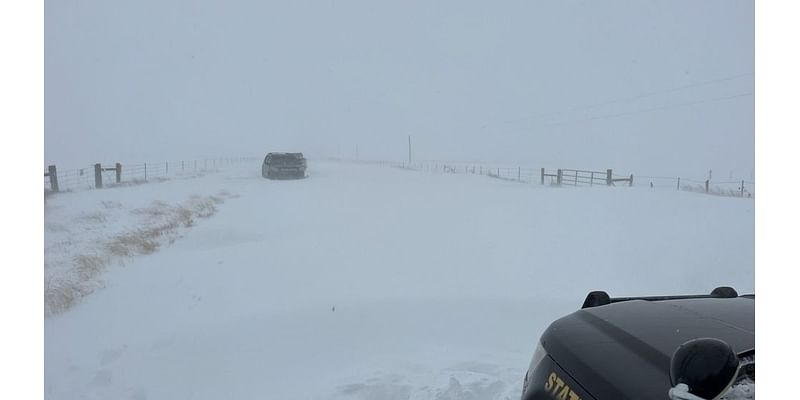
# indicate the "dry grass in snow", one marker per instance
pixel 74 265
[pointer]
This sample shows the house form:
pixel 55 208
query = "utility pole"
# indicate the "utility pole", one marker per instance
pixel 409 150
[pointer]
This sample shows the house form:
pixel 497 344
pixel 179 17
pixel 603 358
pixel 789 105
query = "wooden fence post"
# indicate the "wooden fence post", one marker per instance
pixel 119 172
pixel 558 177
pixel 519 174
pixel 707 185
pixel 98 176
pixel 576 178
pixel 145 172
pixel 630 182
pixel 679 183
pixel 591 179
pixel 166 163
pixel 742 188
pixel 53 175
pixel 609 180
pixel 542 176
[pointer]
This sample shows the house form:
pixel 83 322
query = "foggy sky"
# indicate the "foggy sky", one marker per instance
pixel 648 87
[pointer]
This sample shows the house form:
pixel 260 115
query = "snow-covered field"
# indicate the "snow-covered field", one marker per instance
pixel 360 282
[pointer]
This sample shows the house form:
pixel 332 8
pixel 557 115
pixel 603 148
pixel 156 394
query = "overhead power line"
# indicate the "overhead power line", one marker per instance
pixel 645 110
pixel 634 97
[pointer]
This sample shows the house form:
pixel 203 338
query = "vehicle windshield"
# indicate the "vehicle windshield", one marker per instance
pixel 471 172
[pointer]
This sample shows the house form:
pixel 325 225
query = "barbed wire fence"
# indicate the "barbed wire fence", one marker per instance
pixel 98 176
pixel 575 177
pixel 114 175
pixel 731 188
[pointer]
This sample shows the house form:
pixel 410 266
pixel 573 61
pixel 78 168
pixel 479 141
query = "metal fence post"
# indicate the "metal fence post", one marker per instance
pixel 707 185
pixel 98 176
pixel 630 182
pixel 679 183
pixel 542 176
pixel 742 188
pixel 51 173
pixel 145 172
pixel 609 180
pixel 558 176
pixel 519 173
pixel 166 163
pixel 119 172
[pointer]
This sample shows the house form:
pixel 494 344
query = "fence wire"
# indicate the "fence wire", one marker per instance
pixel 84 178
pixel 731 188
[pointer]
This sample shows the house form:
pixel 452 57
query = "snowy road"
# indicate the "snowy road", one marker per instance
pixel 367 282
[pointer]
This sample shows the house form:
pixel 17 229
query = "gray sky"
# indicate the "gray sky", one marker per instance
pixel 521 82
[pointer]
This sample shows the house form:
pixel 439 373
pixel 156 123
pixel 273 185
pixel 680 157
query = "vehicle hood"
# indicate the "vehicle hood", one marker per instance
pixel 623 350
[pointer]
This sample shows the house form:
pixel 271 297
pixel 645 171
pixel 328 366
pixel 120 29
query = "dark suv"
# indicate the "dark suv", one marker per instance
pixel 284 166
pixel 656 347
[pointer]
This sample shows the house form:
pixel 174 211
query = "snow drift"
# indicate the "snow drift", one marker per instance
pixel 359 282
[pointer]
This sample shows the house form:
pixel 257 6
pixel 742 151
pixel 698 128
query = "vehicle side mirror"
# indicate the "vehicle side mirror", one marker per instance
pixel 703 368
